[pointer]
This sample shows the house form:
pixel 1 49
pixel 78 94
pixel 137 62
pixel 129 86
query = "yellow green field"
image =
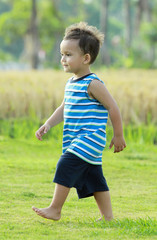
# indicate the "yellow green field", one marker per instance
pixel 37 93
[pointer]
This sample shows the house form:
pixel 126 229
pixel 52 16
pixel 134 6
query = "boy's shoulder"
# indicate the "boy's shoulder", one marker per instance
pixel 91 77
pixel 95 77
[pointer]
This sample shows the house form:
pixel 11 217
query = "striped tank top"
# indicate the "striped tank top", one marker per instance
pixel 85 120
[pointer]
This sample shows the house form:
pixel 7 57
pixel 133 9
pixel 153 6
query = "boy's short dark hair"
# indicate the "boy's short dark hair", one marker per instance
pixel 90 38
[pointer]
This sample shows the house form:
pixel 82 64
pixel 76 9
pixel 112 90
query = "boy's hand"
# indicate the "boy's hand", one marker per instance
pixel 119 144
pixel 42 130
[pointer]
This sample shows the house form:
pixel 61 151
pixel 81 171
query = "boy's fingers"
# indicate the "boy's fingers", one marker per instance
pixel 38 136
pixel 116 149
pixel 119 149
pixel 41 132
pixel 45 130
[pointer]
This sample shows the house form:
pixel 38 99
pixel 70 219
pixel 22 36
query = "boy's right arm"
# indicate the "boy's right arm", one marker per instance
pixel 53 120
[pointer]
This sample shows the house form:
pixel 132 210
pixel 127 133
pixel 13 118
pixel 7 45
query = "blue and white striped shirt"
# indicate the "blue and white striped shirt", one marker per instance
pixel 85 121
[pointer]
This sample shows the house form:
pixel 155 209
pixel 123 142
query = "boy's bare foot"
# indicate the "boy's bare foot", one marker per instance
pixel 99 219
pixel 49 213
pixel 104 219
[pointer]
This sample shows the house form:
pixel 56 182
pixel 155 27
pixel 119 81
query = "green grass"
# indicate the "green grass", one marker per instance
pixel 25 128
pixel 26 173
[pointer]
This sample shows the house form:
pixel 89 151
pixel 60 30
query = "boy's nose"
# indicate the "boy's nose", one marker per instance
pixel 63 59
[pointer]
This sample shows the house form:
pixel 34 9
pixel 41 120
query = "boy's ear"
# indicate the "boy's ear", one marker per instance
pixel 87 58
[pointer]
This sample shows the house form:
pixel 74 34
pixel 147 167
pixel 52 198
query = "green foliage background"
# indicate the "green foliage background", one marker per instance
pixel 53 18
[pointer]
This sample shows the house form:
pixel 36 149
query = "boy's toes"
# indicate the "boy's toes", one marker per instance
pixel 38 211
pixel 99 219
pixel 35 209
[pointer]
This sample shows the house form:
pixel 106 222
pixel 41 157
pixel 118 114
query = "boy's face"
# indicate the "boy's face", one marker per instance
pixel 72 58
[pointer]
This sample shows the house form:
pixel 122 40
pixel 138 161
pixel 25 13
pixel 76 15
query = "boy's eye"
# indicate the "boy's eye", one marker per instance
pixel 67 54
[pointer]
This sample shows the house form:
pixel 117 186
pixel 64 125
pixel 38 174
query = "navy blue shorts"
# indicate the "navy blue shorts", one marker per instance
pixel 71 171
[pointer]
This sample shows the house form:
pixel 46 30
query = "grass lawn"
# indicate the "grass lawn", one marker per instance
pixel 26 172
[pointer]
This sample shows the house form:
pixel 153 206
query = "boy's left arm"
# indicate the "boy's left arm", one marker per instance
pixel 98 91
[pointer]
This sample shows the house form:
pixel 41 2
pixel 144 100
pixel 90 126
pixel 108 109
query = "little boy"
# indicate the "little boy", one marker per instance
pixel 85 110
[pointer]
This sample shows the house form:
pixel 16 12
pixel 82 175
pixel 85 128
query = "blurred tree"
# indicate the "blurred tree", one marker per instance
pixel 21 22
pixel 5 6
pixel 92 12
pixel 149 35
pixel 58 34
pixel 35 28
pixel 32 43
pixel 14 23
pixel 143 49
pixel 143 11
pixel 128 22
pixel 71 11
pixel 105 59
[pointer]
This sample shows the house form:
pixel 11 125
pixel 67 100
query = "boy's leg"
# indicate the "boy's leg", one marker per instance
pixel 54 210
pixel 104 204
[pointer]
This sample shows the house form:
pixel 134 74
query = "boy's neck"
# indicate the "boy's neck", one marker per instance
pixel 82 73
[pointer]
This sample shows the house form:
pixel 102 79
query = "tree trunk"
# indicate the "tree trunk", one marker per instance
pixel 31 40
pixel 128 28
pixel 105 59
pixel 58 35
pixel 138 16
pixel 150 10
pixel 34 36
pixel 143 10
pixel 147 10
